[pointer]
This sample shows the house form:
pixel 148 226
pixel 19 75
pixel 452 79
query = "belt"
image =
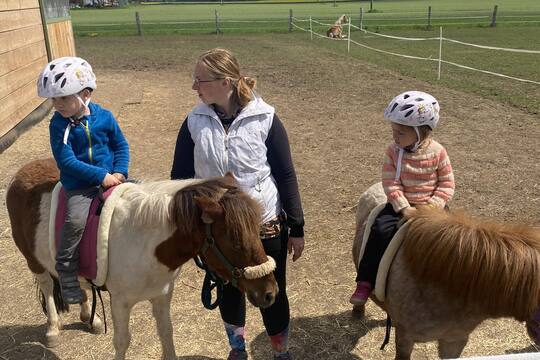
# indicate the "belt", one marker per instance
pixel 272 228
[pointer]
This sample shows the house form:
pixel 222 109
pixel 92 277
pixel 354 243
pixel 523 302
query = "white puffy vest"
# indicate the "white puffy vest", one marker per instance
pixel 241 151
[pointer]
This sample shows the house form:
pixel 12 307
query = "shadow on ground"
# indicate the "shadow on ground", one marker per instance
pixel 24 342
pixel 331 336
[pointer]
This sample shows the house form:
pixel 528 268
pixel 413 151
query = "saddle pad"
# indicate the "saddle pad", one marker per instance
pixel 97 232
pixel 389 253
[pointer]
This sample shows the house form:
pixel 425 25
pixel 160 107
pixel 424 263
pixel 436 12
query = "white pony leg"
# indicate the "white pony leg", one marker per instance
pixel 161 308
pixel 46 286
pixel 121 311
pixel 86 311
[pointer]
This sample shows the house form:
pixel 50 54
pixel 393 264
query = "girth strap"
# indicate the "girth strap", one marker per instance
pixel 93 312
pixel 388 330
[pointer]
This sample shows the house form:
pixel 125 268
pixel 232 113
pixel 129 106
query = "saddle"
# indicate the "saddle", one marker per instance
pixel 389 253
pixel 93 248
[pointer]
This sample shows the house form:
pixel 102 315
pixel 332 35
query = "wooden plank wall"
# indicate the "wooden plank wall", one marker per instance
pixel 61 39
pixel 22 56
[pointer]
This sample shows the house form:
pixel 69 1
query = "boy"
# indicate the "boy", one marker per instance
pixel 90 151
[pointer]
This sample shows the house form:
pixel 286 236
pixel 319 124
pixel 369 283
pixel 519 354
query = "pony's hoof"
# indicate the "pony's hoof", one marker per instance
pixel 52 341
pixel 97 328
pixel 359 311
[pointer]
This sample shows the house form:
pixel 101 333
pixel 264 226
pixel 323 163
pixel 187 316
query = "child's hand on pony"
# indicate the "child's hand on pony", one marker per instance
pixel 110 180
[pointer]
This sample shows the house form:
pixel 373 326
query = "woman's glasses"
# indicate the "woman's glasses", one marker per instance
pixel 198 81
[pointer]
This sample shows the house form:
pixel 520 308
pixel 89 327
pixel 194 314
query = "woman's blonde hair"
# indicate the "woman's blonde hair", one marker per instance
pixel 222 64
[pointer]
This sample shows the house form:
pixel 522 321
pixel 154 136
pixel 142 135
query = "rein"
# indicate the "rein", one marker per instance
pixel 214 281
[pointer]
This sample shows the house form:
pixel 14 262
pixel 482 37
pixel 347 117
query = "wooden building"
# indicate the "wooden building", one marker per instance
pixel 32 32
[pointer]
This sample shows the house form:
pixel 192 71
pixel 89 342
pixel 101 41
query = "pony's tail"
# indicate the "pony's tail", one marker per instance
pixel 59 303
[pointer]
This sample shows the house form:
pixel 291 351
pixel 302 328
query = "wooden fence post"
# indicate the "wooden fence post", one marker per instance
pixel 429 18
pixel 290 20
pixel 138 22
pixel 494 16
pixel 370 5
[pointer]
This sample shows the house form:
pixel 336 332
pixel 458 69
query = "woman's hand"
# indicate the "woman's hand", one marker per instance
pixel 110 180
pixel 296 247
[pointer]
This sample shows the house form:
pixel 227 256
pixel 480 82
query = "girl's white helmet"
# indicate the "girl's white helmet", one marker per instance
pixel 413 108
pixel 65 76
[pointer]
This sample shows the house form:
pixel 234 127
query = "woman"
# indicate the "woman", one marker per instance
pixel 233 129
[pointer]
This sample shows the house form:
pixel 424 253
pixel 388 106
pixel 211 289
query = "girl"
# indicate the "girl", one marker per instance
pixel 416 171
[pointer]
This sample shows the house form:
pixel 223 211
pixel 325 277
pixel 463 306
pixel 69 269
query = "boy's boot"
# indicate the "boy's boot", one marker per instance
pixel 71 289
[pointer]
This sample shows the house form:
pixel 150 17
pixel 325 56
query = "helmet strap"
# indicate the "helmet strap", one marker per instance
pixel 417 143
pixel 84 104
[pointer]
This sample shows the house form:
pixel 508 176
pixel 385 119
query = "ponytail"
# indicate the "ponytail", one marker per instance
pixel 243 90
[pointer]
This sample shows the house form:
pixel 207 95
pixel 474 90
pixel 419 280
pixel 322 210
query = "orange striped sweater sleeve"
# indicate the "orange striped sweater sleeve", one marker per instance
pixel 426 176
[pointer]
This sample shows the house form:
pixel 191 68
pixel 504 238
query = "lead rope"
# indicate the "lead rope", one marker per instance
pixel 211 282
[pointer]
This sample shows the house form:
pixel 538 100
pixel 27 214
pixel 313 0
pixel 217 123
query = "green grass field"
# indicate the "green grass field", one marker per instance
pixel 200 18
pixel 520 65
pixel 518 27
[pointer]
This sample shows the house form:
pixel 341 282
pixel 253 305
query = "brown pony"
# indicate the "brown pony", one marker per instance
pixel 452 272
pixel 336 30
pixel 155 227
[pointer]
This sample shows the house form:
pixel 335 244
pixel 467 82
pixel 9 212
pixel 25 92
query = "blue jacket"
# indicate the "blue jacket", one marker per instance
pixel 93 148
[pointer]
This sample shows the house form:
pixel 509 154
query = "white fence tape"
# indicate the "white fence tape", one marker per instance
pixel 490 72
pixel 493 47
pixel 395 37
pixel 439 38
pixel 393 53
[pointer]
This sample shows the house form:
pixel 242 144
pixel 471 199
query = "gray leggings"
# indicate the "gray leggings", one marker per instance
pixel 78 205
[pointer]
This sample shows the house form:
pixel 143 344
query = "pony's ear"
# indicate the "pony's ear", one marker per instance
pixel 210 209
pixel 229 175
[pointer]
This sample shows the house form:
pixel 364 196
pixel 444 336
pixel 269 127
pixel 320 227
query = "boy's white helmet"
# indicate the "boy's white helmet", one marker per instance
pixel 65 76
pixel 413 108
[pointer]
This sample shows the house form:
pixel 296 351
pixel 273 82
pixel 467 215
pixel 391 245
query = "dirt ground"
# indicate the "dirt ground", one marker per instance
pixel 332 108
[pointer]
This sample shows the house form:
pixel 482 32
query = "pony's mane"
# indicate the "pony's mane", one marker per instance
pixel 242 213
pixel 150 201
pixel 491 264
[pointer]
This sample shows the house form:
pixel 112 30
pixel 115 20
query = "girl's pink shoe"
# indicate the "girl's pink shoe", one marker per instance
pixel 361 294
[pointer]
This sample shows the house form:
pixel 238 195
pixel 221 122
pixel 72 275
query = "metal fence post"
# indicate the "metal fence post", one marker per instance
pixel 349 39
pixel 440 53
pixel 290 20
pixel 361 18
pixel 218 30
pixel 370 5
pixel 494 16
pixel 429 18
pixel 310 28
pixel 138 22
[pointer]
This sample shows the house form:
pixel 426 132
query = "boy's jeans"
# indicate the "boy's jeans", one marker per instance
pixel 67 255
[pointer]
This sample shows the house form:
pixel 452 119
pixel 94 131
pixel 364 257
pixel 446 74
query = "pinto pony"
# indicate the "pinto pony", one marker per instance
pixel 155 228
pixel 336 30
pixel 452 272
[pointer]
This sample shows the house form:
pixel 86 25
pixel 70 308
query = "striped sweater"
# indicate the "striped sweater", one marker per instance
pixel 426 176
